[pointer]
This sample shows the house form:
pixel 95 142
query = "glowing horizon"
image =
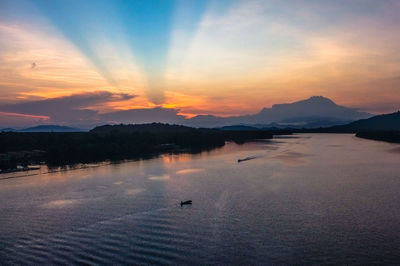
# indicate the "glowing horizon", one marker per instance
pixel 200 57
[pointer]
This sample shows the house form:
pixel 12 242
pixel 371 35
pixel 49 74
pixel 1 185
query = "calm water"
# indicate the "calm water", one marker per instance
pixel 308 199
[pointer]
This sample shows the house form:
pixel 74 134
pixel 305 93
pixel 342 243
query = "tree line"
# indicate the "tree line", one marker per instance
pixel 117 142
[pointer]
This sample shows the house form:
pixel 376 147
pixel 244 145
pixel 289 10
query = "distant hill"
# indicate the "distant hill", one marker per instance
pixel 8 129
pixel 145 128
pixel 239 128
pixel 317 111
pixel 381 127
pixel 386 122
pixel 50 128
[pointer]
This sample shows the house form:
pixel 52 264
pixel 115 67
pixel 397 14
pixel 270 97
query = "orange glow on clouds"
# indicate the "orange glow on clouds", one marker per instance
pixel 25 115
pixel 235 62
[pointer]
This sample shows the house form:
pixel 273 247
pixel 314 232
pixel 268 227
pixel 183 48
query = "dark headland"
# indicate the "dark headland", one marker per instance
pixel 113 142
pixel 384 127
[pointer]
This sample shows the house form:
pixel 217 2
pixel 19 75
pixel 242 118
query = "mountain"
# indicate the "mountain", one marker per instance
pixel 8 129
pixel 143 116
pixel 50 128
pixel 317 111
pixel 213 121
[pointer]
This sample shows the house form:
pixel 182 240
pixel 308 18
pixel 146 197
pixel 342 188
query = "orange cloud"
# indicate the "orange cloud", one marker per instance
pixel 43 117
pixel 11 119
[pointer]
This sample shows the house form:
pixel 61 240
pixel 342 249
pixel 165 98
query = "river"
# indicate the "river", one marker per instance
pixel 301 199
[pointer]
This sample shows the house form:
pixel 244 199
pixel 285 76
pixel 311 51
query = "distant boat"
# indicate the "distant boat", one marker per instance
pixel 246 159
pixel 186 202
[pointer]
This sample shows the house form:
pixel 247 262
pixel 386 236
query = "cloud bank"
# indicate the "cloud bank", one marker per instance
pixel 73 109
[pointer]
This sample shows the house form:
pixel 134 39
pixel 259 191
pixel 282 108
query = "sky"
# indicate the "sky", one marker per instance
pixel 70 62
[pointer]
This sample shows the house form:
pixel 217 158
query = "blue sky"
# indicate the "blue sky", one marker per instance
pixel 145 26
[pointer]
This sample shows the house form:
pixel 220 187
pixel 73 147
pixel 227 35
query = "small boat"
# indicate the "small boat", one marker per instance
pixel 246 159
pixel 188 202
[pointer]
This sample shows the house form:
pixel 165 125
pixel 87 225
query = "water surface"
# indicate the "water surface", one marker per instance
pixel 307 199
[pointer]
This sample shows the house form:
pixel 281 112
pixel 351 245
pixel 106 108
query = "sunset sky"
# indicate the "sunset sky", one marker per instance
pixel 64 59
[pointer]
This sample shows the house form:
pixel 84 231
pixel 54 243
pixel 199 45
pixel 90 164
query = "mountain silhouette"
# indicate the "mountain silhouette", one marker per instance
pixel 50 128
pixel 312 112
pixel 316 111
pixel 8 129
